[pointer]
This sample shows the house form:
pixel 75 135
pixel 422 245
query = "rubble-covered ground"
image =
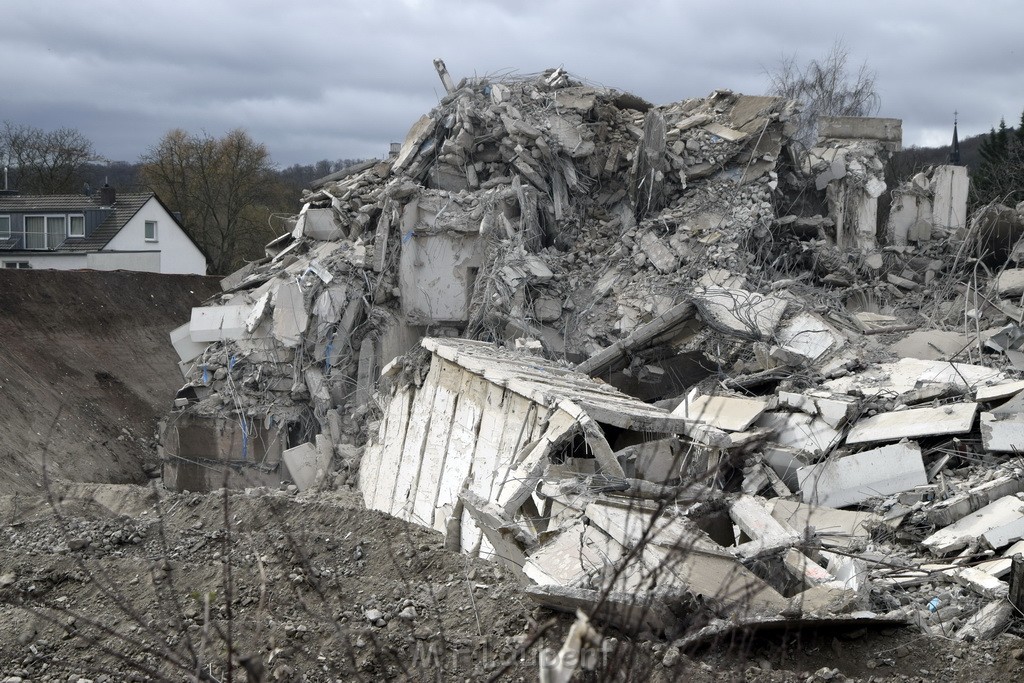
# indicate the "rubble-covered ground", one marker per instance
pixel 307 575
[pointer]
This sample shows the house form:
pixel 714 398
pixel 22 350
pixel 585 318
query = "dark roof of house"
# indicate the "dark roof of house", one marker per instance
pixel 126 205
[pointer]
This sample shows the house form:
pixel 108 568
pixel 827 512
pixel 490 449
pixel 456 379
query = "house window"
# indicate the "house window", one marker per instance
pixel 151 231
pixel 45 232
pixel 19 265
pixel 5 227
pixel 76 226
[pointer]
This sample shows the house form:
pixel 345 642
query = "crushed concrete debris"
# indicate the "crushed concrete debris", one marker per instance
pixel 646 357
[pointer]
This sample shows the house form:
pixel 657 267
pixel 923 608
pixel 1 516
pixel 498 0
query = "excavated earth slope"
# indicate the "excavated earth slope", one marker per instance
pixel 86 370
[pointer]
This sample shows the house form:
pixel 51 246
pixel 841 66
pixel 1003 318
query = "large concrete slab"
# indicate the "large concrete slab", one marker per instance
pixel 856 478
pixel 957 418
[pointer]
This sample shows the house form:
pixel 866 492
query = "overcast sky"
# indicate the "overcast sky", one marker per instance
pixel 340 79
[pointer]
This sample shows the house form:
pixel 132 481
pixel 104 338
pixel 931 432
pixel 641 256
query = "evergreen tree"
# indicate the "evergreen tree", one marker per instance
pixel 1000 177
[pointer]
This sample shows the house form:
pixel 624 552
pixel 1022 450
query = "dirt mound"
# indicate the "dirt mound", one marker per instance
pixel 87 367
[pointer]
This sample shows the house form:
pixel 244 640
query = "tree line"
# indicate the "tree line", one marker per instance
pixel 231 197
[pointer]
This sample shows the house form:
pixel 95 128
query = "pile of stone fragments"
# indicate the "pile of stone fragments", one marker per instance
pixel 663 362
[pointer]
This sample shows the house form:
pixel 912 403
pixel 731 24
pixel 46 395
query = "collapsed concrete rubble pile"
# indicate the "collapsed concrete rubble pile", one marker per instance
pixel 662 363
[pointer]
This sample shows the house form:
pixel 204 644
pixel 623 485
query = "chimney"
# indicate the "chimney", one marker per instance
pixel 7 191
pixel 107 195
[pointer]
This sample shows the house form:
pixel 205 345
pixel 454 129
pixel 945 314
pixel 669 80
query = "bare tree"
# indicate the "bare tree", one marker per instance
pixel 46 162
pixel 826 87
pixel 220 186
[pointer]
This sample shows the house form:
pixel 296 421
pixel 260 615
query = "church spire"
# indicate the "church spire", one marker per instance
pixel 954 152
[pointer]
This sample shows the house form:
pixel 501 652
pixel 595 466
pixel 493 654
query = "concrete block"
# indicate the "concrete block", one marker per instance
pixel 322 224
pixel 217 323
pixel 998 524
pixel 1010 283
pixel 957 418
pixel 660 256
pixel 853 479
pixel 181 340
pixel 304 462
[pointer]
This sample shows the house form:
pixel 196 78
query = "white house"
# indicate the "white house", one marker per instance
pixel 105 231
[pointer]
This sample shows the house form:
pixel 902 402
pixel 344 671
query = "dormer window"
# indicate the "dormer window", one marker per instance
pixel 5 227
pixel 45 232
pixel 76 226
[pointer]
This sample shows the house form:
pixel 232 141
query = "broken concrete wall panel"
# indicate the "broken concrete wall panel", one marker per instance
pixel 521 481
pixel 885 130
pixel 996 392
pixel 957 418
pixel 462 445
pixel 436 277
pixel 834 528
pixel 570 555
pixel 933 345
pixel 853 479
pixel 521 417
pixel 321 224
pixel 909 376
pixel 485 457
pixel 411 458
pixel 436 451
pixel 633 613
pixel 507 550
pixel 379 465
pixel 950 185
pixel 367 372
pixel 836 411
pixel 721 580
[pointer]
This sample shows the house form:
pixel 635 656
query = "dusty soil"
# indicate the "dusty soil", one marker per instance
pixel 86 370
pixel 117 582
pixel 122 582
